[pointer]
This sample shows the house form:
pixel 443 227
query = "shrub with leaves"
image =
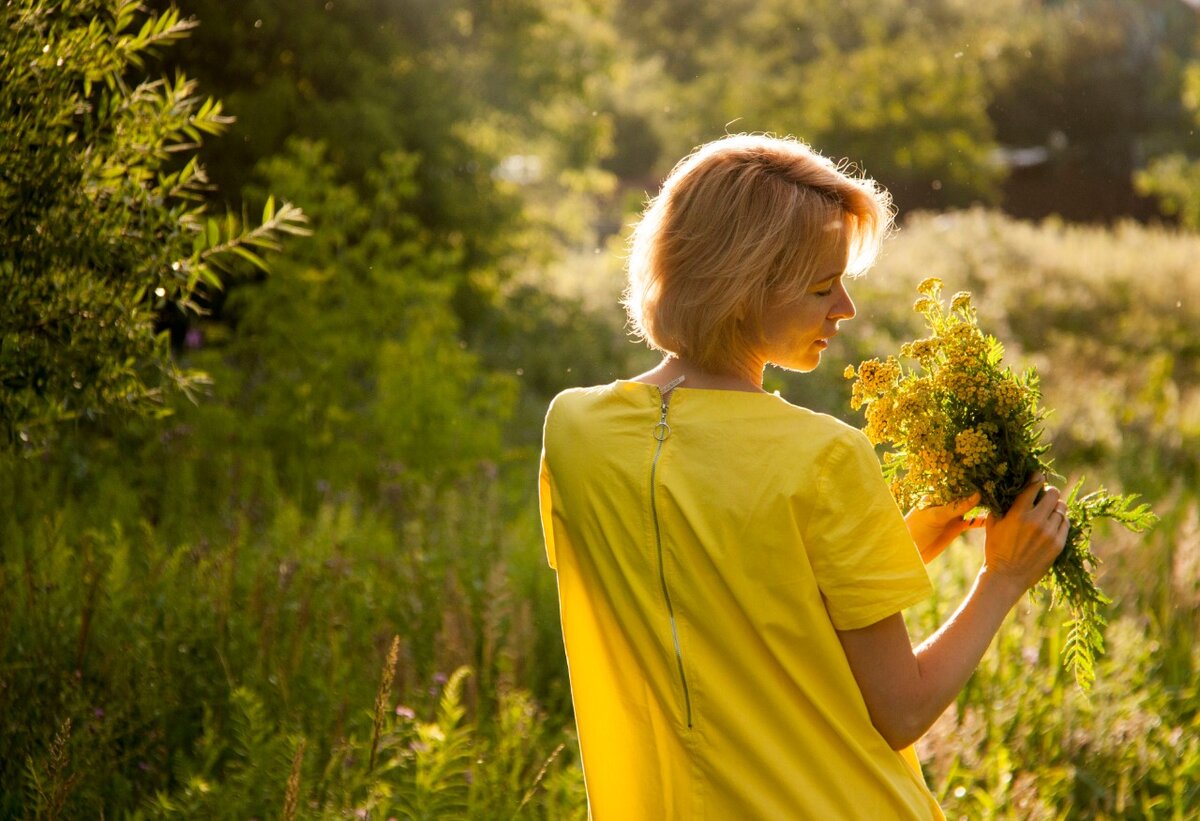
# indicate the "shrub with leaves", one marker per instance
pixel 959 422
pixel 102 225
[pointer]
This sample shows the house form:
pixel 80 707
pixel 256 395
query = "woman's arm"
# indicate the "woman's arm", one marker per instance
pixel 905 690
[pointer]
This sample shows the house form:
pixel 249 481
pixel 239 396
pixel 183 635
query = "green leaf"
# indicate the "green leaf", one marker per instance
pixel 251 257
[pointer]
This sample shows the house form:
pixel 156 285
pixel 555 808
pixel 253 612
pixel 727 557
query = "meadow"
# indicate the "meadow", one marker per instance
pixel 270 545
pixel 187 632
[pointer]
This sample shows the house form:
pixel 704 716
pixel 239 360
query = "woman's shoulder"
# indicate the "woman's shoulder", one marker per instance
pixel 823 426
pixel 574 406
pixel 582 398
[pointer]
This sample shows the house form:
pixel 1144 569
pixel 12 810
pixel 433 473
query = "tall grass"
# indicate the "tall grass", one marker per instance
pixel 184 677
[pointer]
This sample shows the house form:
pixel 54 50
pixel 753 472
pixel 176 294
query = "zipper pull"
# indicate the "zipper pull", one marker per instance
pixel 666 389
pixel 662 430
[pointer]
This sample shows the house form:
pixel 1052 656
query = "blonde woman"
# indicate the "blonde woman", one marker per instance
pixel 731 567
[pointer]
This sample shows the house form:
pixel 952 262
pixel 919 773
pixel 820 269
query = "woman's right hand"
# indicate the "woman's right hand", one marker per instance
pixel 1021 546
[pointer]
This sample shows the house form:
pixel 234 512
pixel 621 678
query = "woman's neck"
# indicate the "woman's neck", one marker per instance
pixel 673 367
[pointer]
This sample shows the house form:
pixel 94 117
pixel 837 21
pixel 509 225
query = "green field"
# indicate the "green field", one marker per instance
pixel 316 587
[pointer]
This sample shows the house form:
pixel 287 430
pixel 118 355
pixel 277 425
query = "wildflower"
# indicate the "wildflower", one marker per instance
pixel 960 423
pixel 405 712
pixel 925 305
pixel 973 447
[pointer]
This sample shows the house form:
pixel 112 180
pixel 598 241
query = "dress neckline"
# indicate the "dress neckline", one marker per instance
pixel 684 389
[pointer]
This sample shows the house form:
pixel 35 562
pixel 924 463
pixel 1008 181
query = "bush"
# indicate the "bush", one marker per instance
pixel 101 228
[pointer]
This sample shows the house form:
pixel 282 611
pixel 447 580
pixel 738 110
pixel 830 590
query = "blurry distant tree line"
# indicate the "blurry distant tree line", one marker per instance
pixel 531 126
pixel 526 127
pixel 470 142
pixel 1037 106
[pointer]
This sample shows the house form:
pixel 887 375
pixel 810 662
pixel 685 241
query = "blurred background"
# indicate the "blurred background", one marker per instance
pixel 255 605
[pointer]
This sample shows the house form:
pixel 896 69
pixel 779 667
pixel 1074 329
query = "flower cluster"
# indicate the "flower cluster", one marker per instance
pixel 958 422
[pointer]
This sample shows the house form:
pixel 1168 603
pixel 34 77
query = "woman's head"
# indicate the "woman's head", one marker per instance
pixel 740 225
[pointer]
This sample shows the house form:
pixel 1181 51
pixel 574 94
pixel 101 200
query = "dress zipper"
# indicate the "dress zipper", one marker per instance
pixel 661 431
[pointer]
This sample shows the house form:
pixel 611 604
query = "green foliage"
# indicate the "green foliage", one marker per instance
pixel 102 228
pixel 919 123
pixel 1071 580
pixel 350 368
pixel 240 770
pixel 508 109
pixel 51 781
pixel 882 83
pixel 194 612
pixel 437 782
pixel 1175 181
pixel 190 670
pixel 924 94
pixel 1174 177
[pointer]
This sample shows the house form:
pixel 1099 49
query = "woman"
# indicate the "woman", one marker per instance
pixel 731 567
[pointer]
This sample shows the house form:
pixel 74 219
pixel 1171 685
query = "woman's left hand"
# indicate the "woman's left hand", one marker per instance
pixel 934 528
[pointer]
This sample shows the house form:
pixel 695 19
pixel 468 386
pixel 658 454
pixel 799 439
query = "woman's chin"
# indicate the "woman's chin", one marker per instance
pixel 806 365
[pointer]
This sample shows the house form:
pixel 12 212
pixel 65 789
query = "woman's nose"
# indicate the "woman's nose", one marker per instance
pixel 844 307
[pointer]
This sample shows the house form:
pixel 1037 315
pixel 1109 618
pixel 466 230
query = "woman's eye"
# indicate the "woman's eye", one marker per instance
pixel 826 292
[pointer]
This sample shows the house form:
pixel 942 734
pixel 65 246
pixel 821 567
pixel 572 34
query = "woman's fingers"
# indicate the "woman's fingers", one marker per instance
pixel 1025 499
pixel 1025 542
pixel 1063 526
pixel 962 506
pixel 1048 504
pixel 1059 517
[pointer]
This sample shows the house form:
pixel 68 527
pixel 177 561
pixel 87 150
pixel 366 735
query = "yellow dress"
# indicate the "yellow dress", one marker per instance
pixel 706 551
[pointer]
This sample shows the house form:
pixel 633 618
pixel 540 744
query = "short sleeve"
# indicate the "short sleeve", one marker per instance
pixel 546 506
pixel 866 564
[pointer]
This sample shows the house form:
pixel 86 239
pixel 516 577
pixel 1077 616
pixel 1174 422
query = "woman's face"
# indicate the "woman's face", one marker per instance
pixel 795 333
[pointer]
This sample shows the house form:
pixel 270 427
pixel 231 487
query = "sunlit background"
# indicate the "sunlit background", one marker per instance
pixel 250 598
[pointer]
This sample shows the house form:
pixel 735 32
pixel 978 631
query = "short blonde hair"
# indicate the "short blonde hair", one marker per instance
pixel 740 224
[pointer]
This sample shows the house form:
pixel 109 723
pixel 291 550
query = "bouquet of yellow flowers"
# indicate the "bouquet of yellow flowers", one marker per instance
pixel 958 422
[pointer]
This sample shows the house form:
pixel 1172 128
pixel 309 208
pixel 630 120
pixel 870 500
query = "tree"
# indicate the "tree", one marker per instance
pixel 349 368
pixel 102 225
pixel 882 83
pixel 1174 178
pixel 1093 88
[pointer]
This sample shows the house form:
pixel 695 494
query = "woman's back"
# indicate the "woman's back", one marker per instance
pixel 706 559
